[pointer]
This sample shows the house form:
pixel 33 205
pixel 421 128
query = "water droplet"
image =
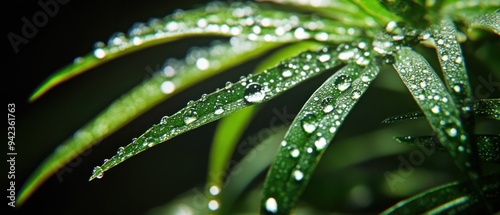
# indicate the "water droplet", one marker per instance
pixel 458 60
pixel 445 57
pixel 451 131
pixel 423 84
pixel 99 53
pixel 320 143
pixel 169 71
pixel 343 82
pixel 324 58
pixel 295 153
pixel 219 109
pixel 333 129
pixel 228 85
pixel 202 64
pixel 167 87
pixel 346 55
pixel 435 109
pixel 457 88
pixel 309 150
pixel 164 120
pixel 214 190
pixel 190 115
pixel 308 123
pixel 254 93
pixel 213 205
pixel 298 175
pixel 287 73
pixel 440 42
pixel 98 172
pixel 356 94
pixel 283 143
pixel 461 148
pixel 366 78
pixel 271 205
pixel 121 150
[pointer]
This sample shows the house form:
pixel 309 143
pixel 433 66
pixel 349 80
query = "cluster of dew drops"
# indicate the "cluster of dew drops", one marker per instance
pixel 360 53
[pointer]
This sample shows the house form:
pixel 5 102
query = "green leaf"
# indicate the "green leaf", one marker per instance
pixel 410 11
pixel 486 108
pixel 452 198
pixel 173 78
pixel 246 20
pixel 452 62
pixel 377 10
pixel 490 21
pixel 228 132
pixel 309 135
pixel 488 145
pixel 248 91
pixel 441 112
pixel 342 10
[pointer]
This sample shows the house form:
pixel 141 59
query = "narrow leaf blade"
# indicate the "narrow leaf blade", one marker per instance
pixel 173 78
pixel 309 135
pixel 441 112
pixel 248 91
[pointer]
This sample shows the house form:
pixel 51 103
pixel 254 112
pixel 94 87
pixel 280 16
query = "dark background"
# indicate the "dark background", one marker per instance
pixel 155 176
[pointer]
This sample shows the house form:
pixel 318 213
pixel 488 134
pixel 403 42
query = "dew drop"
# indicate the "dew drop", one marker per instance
pixel 461 148
pixel 333 130
pixel 435 109
pixel 164 120
pixel 283 143
pixel 202 63
pixel 287 73
pixel 320 143
pixel 356 94
pixel 121 150
pixel 343 82
pixel 295 153
pixel 228 85
pixel 213 205
pixel 308 123
pixel 271 205
pixel 458 60
pixel 451 131
pixel 254 93
pixel 98 172
pixel 323 58
pixel 167 87
pixel 190 115
pixel 298 175
pixel 99 53
pixel 219 109
pixel 445 57
pixel 214 190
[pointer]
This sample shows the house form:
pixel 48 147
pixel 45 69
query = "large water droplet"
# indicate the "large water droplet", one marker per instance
pixel 190 115
pixel 98 172
pixel 272 205
pixel 320 143
pixel 450 130
pixel 219 109
pixel 121 150
pixel 343 82
pixel 214 190
pixel 164 120
pixel 295 153
pixel 308 123
pixel 298 175
pixel 213 205
pixel 254 93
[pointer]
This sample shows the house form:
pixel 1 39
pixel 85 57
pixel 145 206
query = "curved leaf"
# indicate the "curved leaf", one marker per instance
pixel 246 20
pixel 441 112
pixel 173 78
pixel 309 135
pixel 490 21
pixel 248 91
pixel 452 198
pixel 230 128
pixel 452 62
pixel 376 9
pixel 488 145
pixel 343 10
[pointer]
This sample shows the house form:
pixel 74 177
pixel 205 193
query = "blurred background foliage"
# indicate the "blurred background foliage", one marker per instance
pixel 349 179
